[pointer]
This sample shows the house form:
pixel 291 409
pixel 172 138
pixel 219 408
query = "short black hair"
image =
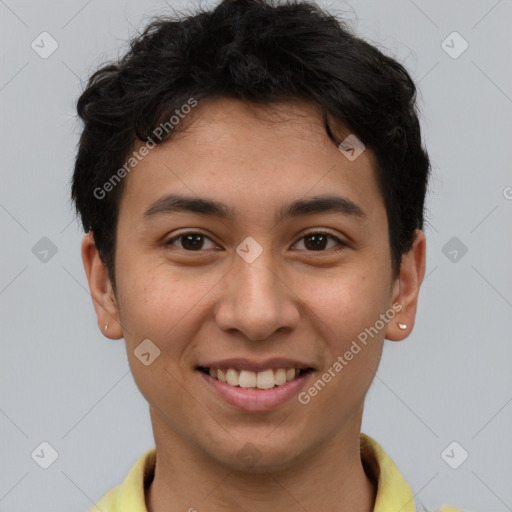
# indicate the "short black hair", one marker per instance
pixel 262 52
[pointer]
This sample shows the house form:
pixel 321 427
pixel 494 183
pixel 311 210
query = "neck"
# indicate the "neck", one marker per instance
pixel 331 479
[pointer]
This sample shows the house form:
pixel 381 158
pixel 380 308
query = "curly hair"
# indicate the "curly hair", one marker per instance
pixel 261 52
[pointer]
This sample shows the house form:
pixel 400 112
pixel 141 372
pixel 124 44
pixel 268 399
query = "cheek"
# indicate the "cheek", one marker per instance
pixel 167 306
pixel 156 299
pixel 346 302
pixel 158 307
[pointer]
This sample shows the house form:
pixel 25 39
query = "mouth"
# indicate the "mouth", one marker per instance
pixel 254 391
pixel 261 380
pixel 255 387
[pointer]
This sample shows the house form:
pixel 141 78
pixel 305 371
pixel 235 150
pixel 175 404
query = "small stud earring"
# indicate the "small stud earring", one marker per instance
pixel 402 326
pixel 106 327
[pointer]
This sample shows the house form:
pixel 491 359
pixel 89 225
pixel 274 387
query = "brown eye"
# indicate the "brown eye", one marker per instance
pixel 318 241
pixel 189 241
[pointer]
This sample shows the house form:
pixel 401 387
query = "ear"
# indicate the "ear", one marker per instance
pixel 407 288
pixel 102 293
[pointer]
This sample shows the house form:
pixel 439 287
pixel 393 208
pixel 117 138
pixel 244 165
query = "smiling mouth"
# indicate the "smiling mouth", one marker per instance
pixel 266 379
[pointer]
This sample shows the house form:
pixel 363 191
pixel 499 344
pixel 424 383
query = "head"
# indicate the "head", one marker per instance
pixel 248 106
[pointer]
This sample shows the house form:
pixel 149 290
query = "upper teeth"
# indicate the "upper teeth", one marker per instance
pixel 262 380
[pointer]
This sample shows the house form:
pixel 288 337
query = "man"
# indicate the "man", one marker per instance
pixel 251 180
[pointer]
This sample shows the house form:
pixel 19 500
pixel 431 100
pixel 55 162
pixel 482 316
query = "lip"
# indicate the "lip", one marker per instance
pixel 256 366
pixel 256 399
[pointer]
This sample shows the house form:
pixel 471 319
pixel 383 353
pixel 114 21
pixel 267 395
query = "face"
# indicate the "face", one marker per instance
pixel 255 292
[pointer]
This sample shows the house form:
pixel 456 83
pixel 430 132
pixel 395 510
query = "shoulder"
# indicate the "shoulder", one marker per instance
pixel 393 492
pixel 130 495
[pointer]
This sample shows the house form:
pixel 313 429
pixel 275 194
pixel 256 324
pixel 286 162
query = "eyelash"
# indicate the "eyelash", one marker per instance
pixel 341 244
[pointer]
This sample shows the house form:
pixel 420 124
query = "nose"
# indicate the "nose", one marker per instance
pixel 258 300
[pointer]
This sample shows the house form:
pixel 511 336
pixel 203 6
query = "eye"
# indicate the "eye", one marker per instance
pixel 317 241
pixel 313 241
pixel 190 241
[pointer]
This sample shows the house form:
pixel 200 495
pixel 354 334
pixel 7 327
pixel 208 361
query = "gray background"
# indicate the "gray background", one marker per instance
pixel 62 382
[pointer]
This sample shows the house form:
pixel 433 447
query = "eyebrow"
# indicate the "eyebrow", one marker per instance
pixel 173 203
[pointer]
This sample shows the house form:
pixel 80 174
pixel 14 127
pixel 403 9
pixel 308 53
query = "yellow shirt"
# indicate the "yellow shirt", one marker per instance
pixel 393 492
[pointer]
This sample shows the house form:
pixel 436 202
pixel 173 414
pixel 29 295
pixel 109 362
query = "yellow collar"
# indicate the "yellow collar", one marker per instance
pixel 393 492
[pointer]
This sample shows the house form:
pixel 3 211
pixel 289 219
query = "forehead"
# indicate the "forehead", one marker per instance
pixel 250 156
pixel 222 122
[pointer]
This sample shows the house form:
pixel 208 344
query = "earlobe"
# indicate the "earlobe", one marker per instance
pixel 102 293
pixel 407 288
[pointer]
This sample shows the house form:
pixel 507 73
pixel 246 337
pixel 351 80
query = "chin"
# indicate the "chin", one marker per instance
pixel 258 455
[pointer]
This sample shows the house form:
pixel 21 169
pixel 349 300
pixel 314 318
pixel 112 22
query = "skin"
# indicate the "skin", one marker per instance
pixel 292 301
